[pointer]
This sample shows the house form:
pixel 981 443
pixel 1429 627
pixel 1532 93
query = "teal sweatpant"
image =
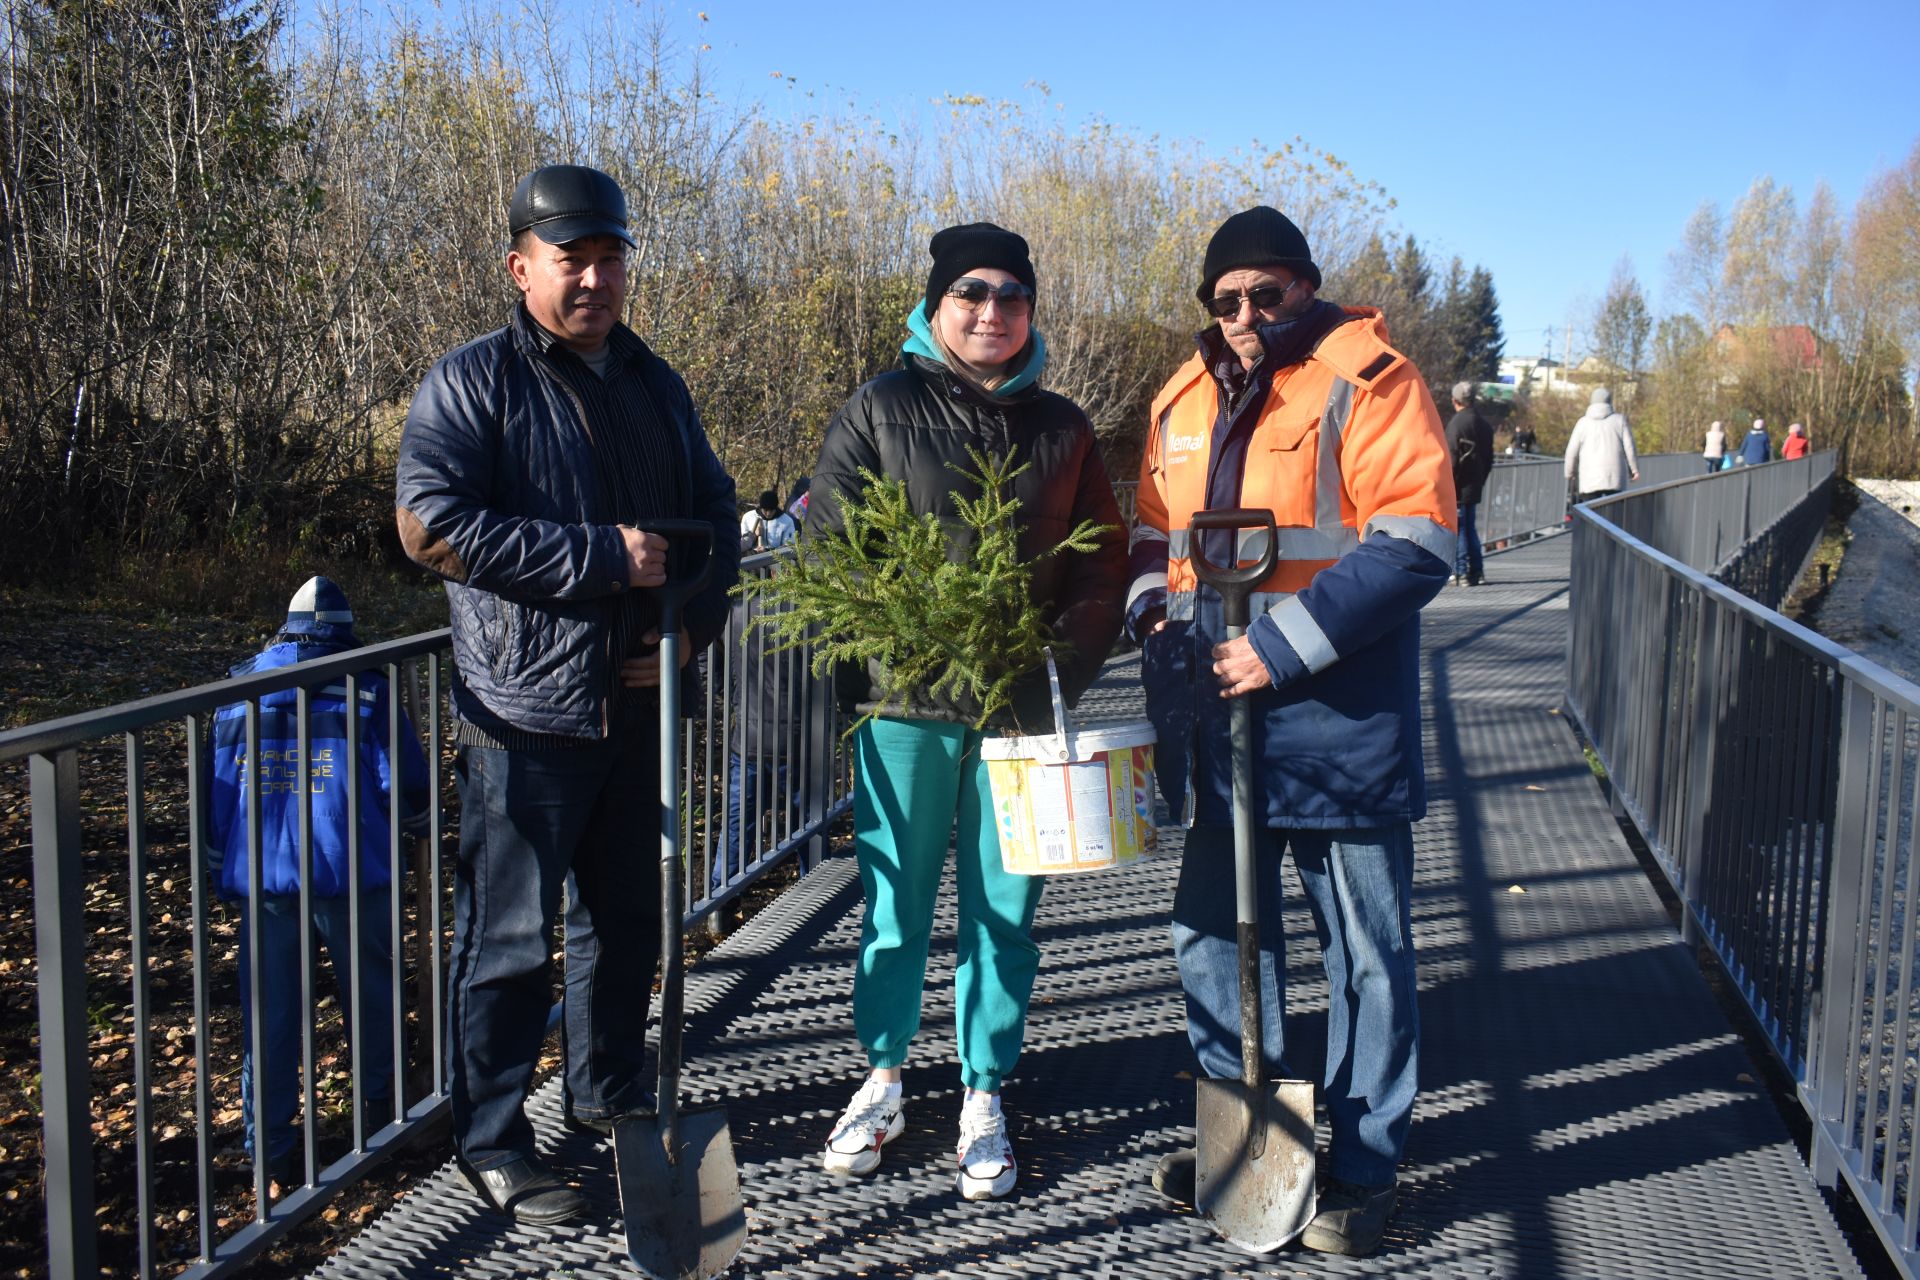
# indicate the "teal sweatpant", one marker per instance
pixel 919 784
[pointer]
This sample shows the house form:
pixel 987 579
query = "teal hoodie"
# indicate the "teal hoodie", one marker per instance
pixel 920 343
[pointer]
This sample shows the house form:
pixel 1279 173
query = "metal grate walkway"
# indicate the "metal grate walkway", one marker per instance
pixel 1585 1109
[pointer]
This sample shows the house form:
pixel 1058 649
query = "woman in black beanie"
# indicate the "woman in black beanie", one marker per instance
pixel 969 376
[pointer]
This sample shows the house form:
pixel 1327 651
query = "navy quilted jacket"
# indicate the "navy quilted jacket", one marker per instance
pixel 497 492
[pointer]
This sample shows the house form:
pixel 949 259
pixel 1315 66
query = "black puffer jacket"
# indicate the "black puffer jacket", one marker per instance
pixel 908 425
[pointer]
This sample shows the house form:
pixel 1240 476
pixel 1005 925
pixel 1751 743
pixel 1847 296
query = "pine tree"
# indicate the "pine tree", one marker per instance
pixel 884 592
pixel 1486 341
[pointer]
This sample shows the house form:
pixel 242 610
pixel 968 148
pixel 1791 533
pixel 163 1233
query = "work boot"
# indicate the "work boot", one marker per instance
pixel 1350 1218
pixel 1173 1176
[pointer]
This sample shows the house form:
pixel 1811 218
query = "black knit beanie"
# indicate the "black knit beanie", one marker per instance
pixel 1257 237
pixel 958 250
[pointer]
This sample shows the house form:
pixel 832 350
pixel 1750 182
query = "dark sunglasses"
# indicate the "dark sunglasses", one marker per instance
pixel 1015 299
pixel 1225 306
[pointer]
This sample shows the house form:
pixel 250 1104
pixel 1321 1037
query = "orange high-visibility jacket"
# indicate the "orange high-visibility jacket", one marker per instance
pixel 1349 454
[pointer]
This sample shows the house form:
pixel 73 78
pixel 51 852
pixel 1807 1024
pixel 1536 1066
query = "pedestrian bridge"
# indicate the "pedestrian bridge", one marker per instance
pixel 1587 1107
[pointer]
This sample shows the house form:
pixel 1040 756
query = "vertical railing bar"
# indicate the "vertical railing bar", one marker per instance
pixel 435 1015
pixel 1881 941
pixel 137 915
pixel 256 1001
pixel 356 1007
pixel 65 1060
pixel 197 876
pixel 396 884
pixel 1780 725
pixel 1902 1054
pixel 720 749
pixel 1746 781
pixel 1830 692
pixel 309 975
pixel 1734 707
pixel 1802 704
pixel 1858 1006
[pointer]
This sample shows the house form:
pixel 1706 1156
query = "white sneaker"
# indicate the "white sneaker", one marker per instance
pixel 987 1170
pixel 875 1117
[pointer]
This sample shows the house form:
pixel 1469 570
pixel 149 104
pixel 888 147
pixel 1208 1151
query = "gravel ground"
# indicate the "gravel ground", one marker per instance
pixel 1871 607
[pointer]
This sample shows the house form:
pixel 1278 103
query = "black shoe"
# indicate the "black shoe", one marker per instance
pixel 1475 579
pixel 1350 1219
pixel 527 1191
pixel 1173 1176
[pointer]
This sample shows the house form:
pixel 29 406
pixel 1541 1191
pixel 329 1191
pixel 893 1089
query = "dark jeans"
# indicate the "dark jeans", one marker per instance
pixel 755 787
pixel 285 1014
pixel 1467 562
pixel 587 820
pixel 1594 495
pixel 1359 884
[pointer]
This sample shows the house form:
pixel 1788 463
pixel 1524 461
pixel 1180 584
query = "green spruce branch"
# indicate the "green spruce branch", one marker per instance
pixel 885 591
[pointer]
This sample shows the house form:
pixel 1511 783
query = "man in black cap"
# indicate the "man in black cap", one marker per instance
pixel 531 459
pixel 1298 407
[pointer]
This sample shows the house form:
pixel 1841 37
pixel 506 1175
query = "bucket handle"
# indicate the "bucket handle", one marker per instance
pixel 1062 728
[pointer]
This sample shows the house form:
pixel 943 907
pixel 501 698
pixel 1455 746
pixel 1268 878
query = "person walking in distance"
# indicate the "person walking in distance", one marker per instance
pixel 1470 441
pixel 1600 458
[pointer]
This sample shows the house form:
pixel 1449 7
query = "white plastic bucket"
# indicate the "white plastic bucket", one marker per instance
pixel 1084 806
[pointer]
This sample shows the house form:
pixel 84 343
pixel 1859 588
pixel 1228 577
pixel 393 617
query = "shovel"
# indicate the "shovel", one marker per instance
pixel 679 1185
pixel 1254 1173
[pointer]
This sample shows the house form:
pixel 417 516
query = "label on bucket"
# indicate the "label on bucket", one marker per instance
pixel 1085 815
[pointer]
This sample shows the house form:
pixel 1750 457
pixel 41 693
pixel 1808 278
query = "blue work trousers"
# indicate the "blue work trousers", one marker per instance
pixel 533 823
pixel 371 988
pixel 1358 884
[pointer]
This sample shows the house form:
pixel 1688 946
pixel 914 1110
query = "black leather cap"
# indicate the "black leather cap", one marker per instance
pixel 566 202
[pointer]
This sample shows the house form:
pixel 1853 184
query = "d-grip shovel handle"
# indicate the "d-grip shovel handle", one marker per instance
pixel 1235 585
pixel 684 578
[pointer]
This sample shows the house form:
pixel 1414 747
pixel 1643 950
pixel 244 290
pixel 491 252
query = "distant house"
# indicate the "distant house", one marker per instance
pixel 1534 373
pixel 1795 346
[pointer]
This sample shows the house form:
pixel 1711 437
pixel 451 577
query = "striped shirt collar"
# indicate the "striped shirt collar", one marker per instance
pixel 626 344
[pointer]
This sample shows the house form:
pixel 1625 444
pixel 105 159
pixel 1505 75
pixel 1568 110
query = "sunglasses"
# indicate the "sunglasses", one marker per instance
pixel 1225 306
pixel 1015 299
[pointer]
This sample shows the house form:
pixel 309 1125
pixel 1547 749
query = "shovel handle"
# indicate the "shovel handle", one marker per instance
pixel 1235 582
pixel 687 573
pixel 1235 585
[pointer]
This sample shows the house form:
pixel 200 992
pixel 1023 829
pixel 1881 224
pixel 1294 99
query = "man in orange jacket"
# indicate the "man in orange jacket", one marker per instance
pixel 1300 407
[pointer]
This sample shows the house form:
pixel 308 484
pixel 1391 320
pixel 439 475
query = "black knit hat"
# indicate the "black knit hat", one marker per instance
pixel 1257 237
pixel 958 250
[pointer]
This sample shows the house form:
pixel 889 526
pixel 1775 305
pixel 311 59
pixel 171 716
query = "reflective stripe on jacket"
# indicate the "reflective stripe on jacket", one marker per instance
pixel 1349 454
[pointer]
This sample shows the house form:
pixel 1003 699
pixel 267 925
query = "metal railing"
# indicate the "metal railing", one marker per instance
pixel 1775 777
pixel 119 815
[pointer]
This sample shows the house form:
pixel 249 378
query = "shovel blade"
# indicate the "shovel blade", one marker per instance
pixel 1254 1174
pixel 685 1219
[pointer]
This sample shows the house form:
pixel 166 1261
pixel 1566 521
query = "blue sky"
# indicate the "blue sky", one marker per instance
pixel 1541 142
